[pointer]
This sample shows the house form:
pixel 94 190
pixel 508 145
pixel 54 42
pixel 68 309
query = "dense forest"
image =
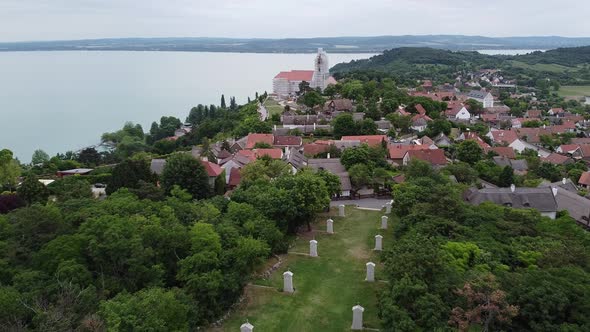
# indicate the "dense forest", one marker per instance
pixel 485 268
pixel 409 64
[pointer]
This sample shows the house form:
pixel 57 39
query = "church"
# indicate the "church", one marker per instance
pixel 286 83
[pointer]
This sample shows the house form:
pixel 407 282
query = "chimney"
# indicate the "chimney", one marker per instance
pixel 512 187
pixel 275 128
pixel 554 190
pixel 564 181
pixel 328 156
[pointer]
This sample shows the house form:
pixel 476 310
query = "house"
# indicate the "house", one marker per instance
pixel 565 184
pixel 584 180
pixel 436 158
pixel 383 126
pixel 338 105
pixel 235 177
pixel 295 159
pixel 557 159
pixel 504 151
pixel 427 85
pixel 313 149
pixel 519 166
pixel 541 199
pixel 442 140
pixel 483 97
pixel 572 150
pixel 75 171
pixel 335 167
pixel 534 114
pixel 510 138
pixel 287 141
pixel 396 152
pixel 556 111
pixel 271 153
pixel 578 207
pixel 213 171
pixel 259 138
pixel 370 140
pixel 420 120
pixel 458 112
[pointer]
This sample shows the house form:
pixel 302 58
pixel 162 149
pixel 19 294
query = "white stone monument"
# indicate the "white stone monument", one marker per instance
pixel 246 327
pixel 288 282
pixel 341 210
pixel 357 317
pixel 384 222
pixel 313 248
pixel 378 242
pixel 330 226
pixel 370 272
pixel 388 207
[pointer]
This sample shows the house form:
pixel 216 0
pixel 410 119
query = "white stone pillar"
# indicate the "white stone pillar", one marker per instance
pixel 288 282
pixel 388 207
pixel 341 210
pixel 357 317
pixel 330 226
pixel 384 222
pixel 370 272
pixel 313 248
pixel 378 242
pixel 246 327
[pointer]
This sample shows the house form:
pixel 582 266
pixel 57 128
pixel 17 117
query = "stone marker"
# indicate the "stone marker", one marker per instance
pixel 370 272
pixel 357 317
pixel 330 226
pixel 288 282
pixel 246 327
pixel 388 207
pixel 313 248
pixel 341 210
pixel 384 222
pixel 378 242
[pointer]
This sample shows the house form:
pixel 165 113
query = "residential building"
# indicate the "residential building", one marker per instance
pixel 370 140
pixel 541 199
pixel 483 97
pixel 335 167
pixel 436 158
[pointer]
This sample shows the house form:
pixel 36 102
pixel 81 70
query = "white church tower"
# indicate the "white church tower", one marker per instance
pixel 321 72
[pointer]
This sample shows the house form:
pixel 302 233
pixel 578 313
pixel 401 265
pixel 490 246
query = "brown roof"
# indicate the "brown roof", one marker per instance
pixel 398 151
pixel 213 170
pixel 585 148
pixel 338 104
pixel 235 177
pixel 420 109
pixel 585 179
pixel 505 151
pixel 434 157
pixel 259 138
pixel 556 159
pixel 313 149
pixel 504 136
pixel 272 153
pixel 371 140
pixel 288 140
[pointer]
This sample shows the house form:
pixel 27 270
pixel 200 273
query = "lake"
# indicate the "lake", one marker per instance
pixel 60 101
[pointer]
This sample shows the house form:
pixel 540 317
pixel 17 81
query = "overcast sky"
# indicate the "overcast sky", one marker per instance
pixel 77 19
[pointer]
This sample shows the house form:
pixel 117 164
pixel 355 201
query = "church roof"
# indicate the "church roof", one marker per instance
pixel 296 75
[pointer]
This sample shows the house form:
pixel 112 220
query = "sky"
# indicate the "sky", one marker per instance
pixel 26 20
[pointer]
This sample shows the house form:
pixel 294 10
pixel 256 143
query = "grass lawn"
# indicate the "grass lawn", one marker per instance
pixel 572 91
pixel 546 67
pixel 326 287
pixel 273 107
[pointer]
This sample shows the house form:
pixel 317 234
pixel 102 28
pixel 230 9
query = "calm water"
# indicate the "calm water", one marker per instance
pixel 59 101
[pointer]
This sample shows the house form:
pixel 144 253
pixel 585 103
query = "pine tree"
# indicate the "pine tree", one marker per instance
pixel 223 101
pixel 232 103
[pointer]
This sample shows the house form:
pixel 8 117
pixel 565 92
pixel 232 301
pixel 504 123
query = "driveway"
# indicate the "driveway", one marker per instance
pixel 370 203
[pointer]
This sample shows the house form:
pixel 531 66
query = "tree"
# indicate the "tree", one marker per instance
pixel 343 125
pixel 462 172
pixel 549 171
pixel 71 187
pixel 128 173
pixel 188 173
pixel 9 170
pixel 220 184
pixel 39 157
pixel 151 309
pixel 33 191
pixel 506 178
pixel 469 151
pixel 223 101
pixel 360 175
pixel 474 106
pixel 332 182
pixel 485 305
pixel 312 98
pixel 89 156
pixel 355 155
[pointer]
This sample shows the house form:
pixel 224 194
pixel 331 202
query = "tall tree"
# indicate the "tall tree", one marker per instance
pixel 469 151
pixel 223 102
pixel 128 174
pixel 9 170
pixel 188 173
pixel 33 191
pixel 39 157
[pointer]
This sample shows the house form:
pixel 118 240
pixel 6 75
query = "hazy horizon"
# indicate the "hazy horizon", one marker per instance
pixel 53 20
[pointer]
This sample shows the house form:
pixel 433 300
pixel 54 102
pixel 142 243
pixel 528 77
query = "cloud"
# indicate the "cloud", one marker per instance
pixel 73 19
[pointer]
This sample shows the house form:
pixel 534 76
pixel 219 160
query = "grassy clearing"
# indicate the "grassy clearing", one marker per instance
pixel 552 68
pixel 273 107
pixel 326 287
pixel 573 91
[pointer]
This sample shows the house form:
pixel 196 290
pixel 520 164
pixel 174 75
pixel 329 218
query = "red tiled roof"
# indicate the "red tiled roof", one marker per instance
pixel 581 140
pixel 556 159
pixel 288 140
pixel 420 109
pixel 533 113
pixel 434 157
pixel 397 151
pixel 568 148
pixel 370 140
pixel 454 110
pixel 235 177
pixel 585 148
pixel 296 75
pixel 313 149
pixel 259 138
pixel 504 136
pixel 213 170
pixel 505 151
pixel 251 155
pixel 585 179
pixel 557 110
pixel 273 153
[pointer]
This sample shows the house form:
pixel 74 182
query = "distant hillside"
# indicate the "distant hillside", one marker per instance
pixel 566 65
pixel 300 45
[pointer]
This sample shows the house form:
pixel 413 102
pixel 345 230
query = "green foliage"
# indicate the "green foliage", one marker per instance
pixel 469 151
pixel 343 125
pixel 187 172
pixel 33 191
pixel 9 169
pixel 39 157
pixel 71 187
pixel 312 98
pixel 128 174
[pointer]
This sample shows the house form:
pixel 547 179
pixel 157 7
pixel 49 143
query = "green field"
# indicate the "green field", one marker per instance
pixel 326 287
pixel 273 107
pixel 574 91
pixel 553 68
